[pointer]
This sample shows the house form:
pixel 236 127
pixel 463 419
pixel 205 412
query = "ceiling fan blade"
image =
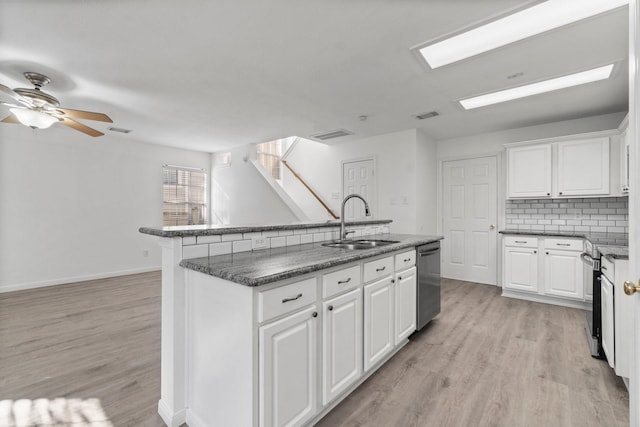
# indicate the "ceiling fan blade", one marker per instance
pixel 11 93
pixel 10 119
pixel 88 115
pixel 80 127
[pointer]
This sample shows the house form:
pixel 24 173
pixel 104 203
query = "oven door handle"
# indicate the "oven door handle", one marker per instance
pixel 586 258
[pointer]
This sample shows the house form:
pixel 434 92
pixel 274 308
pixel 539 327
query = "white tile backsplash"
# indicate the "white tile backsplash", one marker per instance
pixel 606 214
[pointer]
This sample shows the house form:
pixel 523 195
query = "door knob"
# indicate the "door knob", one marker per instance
pixel 630 288
pixel 491 227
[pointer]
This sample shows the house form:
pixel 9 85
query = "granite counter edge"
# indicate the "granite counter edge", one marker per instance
pixel 341 258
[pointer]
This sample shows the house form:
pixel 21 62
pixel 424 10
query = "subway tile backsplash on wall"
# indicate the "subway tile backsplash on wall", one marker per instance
pixel 606 214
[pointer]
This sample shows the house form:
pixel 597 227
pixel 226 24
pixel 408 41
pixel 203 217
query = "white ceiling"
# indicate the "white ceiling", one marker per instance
pixel 208 75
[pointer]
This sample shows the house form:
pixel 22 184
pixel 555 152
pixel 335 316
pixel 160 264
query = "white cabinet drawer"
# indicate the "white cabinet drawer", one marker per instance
pixel 564 244
pixel 521 241
pixel 341 280
pixel 608 269
pixel 378 268
pixel 405 260
pixel 278 301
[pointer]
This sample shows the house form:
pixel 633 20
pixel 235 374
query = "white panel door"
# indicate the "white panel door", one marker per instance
pixel 607 312
pixel 358 177
pixel 405 304
pixel 378 321
pixel 469 213
pixel 342 343
pixel 288 374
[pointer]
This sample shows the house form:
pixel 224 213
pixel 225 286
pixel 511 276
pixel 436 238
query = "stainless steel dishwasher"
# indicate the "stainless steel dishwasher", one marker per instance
pixel 428 298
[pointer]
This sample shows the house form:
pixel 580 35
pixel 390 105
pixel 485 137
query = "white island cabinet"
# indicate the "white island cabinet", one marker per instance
pixel 285 353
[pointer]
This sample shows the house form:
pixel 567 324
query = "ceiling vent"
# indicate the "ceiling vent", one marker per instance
pixel 121 130
pixel 330 135
pixel 427 115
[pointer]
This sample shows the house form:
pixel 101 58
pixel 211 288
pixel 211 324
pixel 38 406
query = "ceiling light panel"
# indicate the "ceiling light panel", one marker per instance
pixel 512 28
pixel 544 86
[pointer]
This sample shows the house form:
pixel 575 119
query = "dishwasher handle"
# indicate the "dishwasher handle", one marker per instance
pixel 429 252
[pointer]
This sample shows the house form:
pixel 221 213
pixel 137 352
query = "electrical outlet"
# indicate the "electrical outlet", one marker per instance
pixel 259 242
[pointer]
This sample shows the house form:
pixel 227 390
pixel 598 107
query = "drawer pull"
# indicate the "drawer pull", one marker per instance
pixel 407 260
pixel 292 299
pixel 341 282
pixel 381 269
pixel 521 241
pixel 603 267
pixel 563 244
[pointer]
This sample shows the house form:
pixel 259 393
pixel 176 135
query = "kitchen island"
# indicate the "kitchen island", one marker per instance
pixel 280 335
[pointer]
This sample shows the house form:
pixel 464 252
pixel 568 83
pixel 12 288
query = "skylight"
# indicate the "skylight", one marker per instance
pixel 518 26
pixel 570 80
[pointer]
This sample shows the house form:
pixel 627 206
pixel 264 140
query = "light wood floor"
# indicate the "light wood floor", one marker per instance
pixel 484 361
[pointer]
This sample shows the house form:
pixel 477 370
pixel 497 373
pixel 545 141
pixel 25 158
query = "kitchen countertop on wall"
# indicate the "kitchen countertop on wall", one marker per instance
pixel 614 252
pixel 270 265
pixel 214 229
pixel 617 239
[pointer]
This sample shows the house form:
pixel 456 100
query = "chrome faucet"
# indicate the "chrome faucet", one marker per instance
pixel 343 232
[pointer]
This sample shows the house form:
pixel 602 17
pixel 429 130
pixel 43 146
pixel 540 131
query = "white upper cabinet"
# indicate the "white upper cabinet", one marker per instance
pixel 583 167
pixel 529 171
pixel 578 167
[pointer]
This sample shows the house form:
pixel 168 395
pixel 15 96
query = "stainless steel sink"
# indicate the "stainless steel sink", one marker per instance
pixel 359 244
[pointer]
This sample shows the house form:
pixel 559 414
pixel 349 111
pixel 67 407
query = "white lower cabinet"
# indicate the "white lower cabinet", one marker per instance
pixel 563 274
pixel 288 370
pixel 617 316
pixel 283 354
pixel 544 269
pixel 341 343
pixel 378 321
pixel 405 304
pixel 521 269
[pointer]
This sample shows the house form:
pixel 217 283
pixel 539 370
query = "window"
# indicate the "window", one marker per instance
pixel 184 196
pixel 269 155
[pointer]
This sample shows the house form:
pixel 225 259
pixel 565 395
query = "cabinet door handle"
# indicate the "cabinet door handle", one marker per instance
pixel 399 278
pixel 314 314
pixel 340 282
pixel 292 298
pixel 548 194
pixel 381 269
pixel 603 267
pixel 330 308
pixel 560 193
pixel 535 252
pixel 547 253
pixel 563 244
pixel 406 260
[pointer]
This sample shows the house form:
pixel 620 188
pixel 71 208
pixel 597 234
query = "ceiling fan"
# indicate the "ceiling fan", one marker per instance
pixel 40 110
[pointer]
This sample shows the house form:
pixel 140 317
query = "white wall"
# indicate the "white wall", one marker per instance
pixel 71 205
pixel 426 184
pixel 250 199
pixel 406 188
pixel 489 143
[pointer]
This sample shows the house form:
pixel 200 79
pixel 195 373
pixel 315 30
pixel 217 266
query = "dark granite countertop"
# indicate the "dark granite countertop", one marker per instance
pixel 613 253
pixel 617 239
pixel 212 229
pixel 270 265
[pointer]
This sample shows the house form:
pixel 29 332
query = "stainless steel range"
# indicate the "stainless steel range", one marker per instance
pixel 593 327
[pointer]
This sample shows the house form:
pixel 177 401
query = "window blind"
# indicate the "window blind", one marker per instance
pixel 184 196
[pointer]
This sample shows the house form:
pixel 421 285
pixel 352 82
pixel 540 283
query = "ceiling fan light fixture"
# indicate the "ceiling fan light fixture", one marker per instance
pixel 33 119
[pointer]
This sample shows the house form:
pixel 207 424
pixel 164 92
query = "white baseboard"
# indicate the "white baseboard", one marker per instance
pixel 170 418
pixel 64 280
pixel 584 305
